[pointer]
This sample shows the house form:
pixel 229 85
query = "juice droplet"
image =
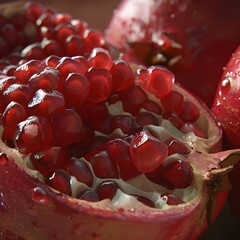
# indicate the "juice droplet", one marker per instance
pixel 39 196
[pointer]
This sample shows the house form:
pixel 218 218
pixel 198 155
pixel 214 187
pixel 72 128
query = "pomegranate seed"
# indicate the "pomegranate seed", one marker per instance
pixel 103 166
pixel 147 152
pixel 33 51
pixel 159 81
pixel 107 190
pixel 61 18
pixel 101 124
pixel 173 102
pixel 132 99
pixel 60 180
pixel 47 33
pixel 9 34
pixel 151 106
pixel 189 127
pixel 46 79
pixel 176 174
pixel 74 45
pixel 76 90
pixel 19 93
pixel 8 135
pixel 80 26
pixel 93 39
pixel 49 160
pixel 5 82
pixel 33 10
pixel 101 84
pixel 13 114
pixel 122 76
pixel 51 47
pixel 46 103
pixel 118 149
pixel 62 31
pixel 67 127
pixel 91 111
pixel 126 123
pixel 80 171
pixel 68 65
pixel 100 58
pixel 190 112
pixel 89 196
pixel 51 61
pixel 18 20
pixel 174 119
pixel 26 70
pixel 33 135
pixel 146 118
pixel 97 143
pixel 171 199
pixel 175 146
pixel 45 19
pixel 9 70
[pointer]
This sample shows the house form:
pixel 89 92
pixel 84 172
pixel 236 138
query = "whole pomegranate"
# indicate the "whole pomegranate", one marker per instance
pixel 226 108
pixel 192 38
pixel 95 147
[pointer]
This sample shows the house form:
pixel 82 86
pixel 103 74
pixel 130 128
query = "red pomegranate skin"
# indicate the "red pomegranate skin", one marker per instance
pixel 206 30
pixel 226 107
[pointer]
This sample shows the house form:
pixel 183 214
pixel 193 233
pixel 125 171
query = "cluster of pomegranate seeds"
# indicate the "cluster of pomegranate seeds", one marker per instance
pixel 14 35
pixel 37 32
pixel 88 119
pixel 81 117
pixel 60 35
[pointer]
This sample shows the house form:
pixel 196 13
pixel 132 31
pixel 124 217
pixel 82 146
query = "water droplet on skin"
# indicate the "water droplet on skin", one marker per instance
pixel 226 82
pixel 3 159
pixel 39 196
pixel 226 85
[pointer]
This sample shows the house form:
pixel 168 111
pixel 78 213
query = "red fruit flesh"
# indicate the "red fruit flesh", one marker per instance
pixel 182 35
pixel 226 109
pixel 99 151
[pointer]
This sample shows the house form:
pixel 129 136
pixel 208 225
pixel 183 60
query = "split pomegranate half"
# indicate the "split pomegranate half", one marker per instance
pixel 95 147
pixel 100 150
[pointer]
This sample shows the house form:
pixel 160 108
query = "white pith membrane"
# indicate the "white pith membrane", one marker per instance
pixel 140 185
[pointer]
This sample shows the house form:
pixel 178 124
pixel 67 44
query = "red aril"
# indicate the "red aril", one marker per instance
pixel 33 134
pixel 147 152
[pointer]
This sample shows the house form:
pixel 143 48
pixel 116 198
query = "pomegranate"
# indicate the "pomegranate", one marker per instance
pixel 84 154
pixel 95 147
pixel 182 35
pixel 226 109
